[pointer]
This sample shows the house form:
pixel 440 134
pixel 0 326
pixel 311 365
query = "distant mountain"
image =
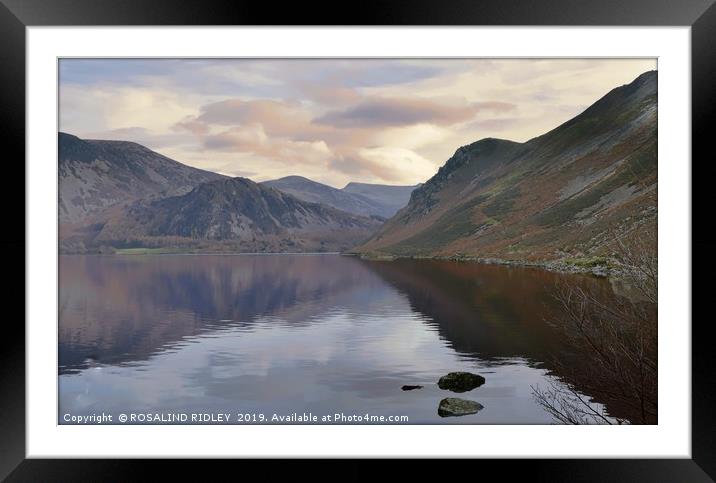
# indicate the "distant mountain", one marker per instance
pixel 96 175
pixel 566 192
pixel 392 198
pixel 313 192
pixel 115 194
pixel 386 204
pixel 236 214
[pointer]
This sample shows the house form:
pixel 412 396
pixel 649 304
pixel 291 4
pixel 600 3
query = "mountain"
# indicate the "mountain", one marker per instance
pixel 239 215
pixel 120 194
pixel 313 192
pixel 392 198
pixel 96 175
pixel 567 192
pixel 388 199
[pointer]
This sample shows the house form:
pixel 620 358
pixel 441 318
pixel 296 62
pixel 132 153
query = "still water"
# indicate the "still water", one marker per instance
pixel 318 334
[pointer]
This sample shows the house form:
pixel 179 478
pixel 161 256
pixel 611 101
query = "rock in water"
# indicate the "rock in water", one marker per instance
pixel 460 381
pixel 453 406
pixel 408 387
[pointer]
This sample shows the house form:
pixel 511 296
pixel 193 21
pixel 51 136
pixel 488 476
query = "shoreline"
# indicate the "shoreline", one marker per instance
pixel 595 266
pixel 184 253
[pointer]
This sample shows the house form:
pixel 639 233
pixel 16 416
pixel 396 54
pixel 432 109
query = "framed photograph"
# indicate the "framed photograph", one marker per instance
pixel 429 231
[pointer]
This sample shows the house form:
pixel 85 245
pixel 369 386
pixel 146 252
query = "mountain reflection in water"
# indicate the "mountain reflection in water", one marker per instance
pixel 293 333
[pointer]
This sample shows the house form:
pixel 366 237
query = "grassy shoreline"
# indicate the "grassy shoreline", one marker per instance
pixel 594 265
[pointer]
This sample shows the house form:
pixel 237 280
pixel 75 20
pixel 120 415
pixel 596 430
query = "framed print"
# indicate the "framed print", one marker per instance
pixel 428 232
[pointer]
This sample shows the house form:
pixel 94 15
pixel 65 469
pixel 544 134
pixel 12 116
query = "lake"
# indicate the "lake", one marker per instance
pixel 304 334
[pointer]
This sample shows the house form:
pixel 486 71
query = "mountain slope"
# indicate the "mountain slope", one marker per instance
pixel 95 175
pixel 392 198
pixel 236 214
pixel 566 192
pixel 384 201
pixel 313 192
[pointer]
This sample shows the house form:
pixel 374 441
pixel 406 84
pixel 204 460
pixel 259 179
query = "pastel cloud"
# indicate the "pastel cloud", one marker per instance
pixel 237 111
pixel 333 120
pixel 383 112
pixel 246 138
pixel 253 139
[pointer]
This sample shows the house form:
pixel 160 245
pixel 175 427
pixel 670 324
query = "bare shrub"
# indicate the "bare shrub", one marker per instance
pixel 618 335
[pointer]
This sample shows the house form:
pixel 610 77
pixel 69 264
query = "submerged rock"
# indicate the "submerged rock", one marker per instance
pixel 460 381
pixel 454 406
pixel 408 387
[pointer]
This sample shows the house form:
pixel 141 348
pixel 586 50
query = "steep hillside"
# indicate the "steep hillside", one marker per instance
pixel 236 214
pixel 95 175
pixel 565 193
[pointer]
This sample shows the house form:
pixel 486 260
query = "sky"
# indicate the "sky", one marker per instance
pixel 389 121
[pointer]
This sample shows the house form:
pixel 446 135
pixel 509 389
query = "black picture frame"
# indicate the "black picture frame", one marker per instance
pixel 16 15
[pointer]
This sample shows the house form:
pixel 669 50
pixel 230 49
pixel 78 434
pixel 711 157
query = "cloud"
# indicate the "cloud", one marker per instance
pixel 412 137
pixel 249 138
pixel 365 74
pixel 493 124
pixel 405 111
pixel 397 164
pixel 193 125
pixel 330 95
pixel 151 139
pixel 252 139
pixel 494 106
pixel 333 120
pixel 277 118
pixel 104 108
pixel 237 111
